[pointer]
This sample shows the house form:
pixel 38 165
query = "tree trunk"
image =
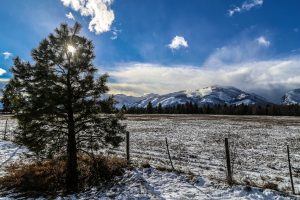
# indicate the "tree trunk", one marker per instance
pixel 72 173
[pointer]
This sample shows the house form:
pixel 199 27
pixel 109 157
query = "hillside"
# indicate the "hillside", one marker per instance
pixel 205 96
pixel 291 97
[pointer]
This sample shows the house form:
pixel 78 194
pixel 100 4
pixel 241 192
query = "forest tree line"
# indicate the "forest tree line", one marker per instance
pixel 191 108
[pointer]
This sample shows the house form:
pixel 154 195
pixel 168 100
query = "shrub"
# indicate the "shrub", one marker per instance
pixel 100 169
pixel 145 165
pixel 39 177
pixel 48 177
pixel 269 185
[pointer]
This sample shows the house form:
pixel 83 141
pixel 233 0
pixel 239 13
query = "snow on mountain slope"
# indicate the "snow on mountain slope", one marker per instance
pixel 292 97
pixel 206 96
pixel 128 101
pixel 125 100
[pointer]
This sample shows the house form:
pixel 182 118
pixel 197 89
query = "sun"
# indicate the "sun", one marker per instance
pixel 71 49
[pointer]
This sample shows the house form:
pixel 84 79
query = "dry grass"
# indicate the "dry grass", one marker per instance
pixel 41 177
pixel 145 165
pixel 100 169
pixel 48 177
pixel 265 185
pixel 270 185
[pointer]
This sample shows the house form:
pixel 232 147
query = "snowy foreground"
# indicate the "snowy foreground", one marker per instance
pixel 150 183
pixel 196 145
pixel 196 142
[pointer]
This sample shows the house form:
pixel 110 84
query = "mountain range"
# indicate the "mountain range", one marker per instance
pixel 292 97
pixel 212 95
pixel 205 96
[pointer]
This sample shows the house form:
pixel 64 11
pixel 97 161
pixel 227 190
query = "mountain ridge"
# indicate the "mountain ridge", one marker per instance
pixel 292 97
pixel 211 95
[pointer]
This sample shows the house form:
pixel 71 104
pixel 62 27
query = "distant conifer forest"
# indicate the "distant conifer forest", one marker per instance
pixel 190 108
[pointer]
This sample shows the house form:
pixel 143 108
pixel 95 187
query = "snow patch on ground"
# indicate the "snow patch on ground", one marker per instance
pixel 150 183
pixel 153 184
pixel 9 153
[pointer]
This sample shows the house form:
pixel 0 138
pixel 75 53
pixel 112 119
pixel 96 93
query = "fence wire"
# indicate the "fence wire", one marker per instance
pixel 196 142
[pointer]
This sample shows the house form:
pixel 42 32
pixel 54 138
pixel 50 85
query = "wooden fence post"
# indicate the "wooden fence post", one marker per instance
pixel 229 174
pixel 5 129
pixel 169 153
pixel 290 169
pixel 127 148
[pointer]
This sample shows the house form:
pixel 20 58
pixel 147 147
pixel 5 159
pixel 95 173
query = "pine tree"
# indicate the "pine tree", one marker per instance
pixel 57 101
pixel 149 108
pixel 7 105
pixel 159 108
pixel 123 109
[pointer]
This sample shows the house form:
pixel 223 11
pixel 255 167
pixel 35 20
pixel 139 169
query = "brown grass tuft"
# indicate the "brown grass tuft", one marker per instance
pixel 40 177
pixel 269 185
pixel 48 177
pixel 145 165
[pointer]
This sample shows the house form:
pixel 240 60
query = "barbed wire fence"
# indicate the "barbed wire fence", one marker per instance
pixel 7 126
pixel 268 166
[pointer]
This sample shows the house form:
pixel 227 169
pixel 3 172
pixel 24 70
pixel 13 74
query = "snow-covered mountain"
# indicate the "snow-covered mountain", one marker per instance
pixel 292 97
pixel 206 96
pixel 128 101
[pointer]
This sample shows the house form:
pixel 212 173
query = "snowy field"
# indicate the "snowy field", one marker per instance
pixel 258 145
pixel 258 148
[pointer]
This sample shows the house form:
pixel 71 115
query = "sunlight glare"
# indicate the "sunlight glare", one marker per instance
pixel 71 49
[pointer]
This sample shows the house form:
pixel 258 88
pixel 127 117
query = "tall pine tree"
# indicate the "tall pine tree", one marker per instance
pixel 57 101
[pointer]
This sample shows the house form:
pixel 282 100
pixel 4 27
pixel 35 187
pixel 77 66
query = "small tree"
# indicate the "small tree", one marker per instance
pixel 149 108
pixel 57 101
pixel 159 108
pixel 123 109
pixel 5 98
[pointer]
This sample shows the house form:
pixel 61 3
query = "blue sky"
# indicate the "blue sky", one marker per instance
pixel 167 45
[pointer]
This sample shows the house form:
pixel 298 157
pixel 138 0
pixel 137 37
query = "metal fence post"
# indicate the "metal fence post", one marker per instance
pixel 290 169
pixel 229 173
pixel 127 147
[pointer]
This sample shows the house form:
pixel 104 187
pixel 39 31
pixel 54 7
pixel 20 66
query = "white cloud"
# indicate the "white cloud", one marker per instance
pixel 240 64
pixel 2 71
pixel 4 80
pixel 114 36
pixel 270 78
pixel 178 42
pixel 70 16
pixel 246 6
pixel 115 33
pixel 238 51
pixel 6 55
pixel 102 16
pixel 263 41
